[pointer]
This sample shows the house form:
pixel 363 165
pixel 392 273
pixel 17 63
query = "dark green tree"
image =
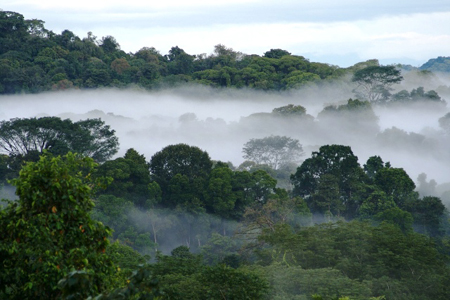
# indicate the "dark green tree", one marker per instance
pixel 396 183
pixel 373 165
pixel 219 196
pixel 276 53
pixel 131 178
pixel 109 44
pixel 377 202
pixel 338 161
pixel 179 62
pixel 89 137
pixel 180 169
pixel 429 214
pixel 327 197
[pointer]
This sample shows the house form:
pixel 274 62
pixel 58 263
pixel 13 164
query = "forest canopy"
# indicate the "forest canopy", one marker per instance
pixel 303 217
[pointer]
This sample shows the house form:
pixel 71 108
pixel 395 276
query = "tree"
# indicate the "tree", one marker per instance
pixel 274 151
pixel 94 139
pixel 417 95
pixel 13 30
pixel 180 169
pixel 428 214
pixel 374 82
pixel 327 197
pixel 373 165
pixel 179 61
pixel 225 57
pixel 48 232
pixel 140 285
pixel 377 202
pixel 396 216
pixel 426 188
pixel 290 110
pixel 120 65
pixel 131 178
pixel 89 137
pixel 338 161
pixel 278 209
pixel 109 44
pixel 263 185
pixel 219 196
pixel 159 220
pixel 396 183
pixel 4 169
pixel 276 53
pixel 297 79
pixel 22 136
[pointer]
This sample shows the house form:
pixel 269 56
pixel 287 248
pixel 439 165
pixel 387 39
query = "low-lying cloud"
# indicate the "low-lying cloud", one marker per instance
pixel 220 121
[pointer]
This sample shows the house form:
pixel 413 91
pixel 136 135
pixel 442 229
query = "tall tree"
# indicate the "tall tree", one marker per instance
pixel 395 182
pixel 374 82
pixel 180 169
pixel 89 137
pixel 338 161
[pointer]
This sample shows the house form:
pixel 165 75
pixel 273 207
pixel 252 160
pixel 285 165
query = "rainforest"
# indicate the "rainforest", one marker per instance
pixel 218 176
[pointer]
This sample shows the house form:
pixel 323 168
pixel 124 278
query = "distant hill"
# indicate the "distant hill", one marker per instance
pixel 440 64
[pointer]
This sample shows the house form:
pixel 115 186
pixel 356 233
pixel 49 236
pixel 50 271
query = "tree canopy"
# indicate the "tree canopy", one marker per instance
pixel 274 151
pixel 91 137
pixel 374 82
pixel 35 59
pixel 181 171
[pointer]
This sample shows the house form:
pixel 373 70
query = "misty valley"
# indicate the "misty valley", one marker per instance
pixel 221 176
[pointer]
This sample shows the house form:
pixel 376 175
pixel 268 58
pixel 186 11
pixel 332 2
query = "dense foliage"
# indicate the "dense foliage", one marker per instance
pixel 30 137
pixel 274 227
pixel 34 59
pixel 48 232
pixel 52 246
pixel 354 259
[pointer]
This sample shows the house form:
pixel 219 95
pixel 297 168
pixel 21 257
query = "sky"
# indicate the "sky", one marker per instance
pixel 336 32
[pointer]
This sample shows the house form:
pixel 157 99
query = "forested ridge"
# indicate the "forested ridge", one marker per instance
pixel 35 59
pixel 177 224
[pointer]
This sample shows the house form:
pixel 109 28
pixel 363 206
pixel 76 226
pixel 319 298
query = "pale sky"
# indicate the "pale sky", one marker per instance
pixel 336 32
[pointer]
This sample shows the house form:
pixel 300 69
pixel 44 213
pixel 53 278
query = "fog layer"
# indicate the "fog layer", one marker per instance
pixel 221 121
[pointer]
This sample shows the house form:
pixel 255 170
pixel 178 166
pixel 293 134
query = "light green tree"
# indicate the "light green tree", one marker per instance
pixel 48 232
